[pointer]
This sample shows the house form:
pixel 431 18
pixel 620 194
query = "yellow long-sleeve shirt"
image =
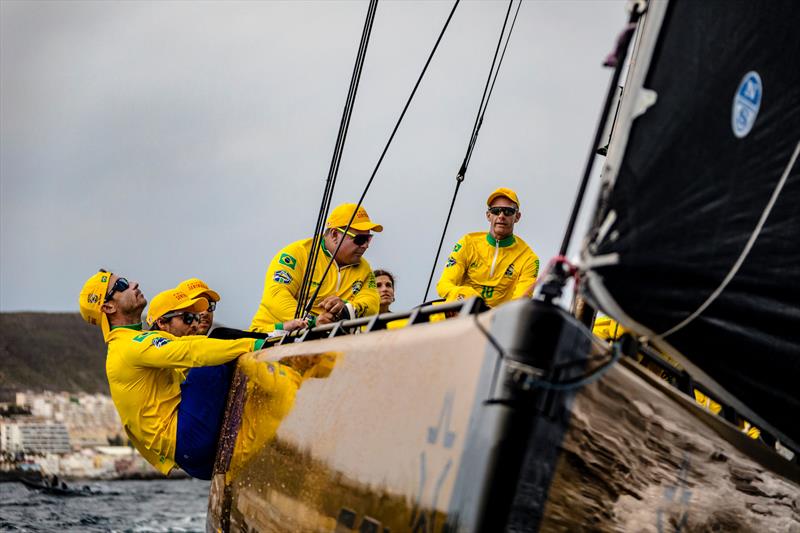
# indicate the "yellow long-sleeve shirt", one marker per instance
pixel 497 271
pixel 355 284
pixel 145 387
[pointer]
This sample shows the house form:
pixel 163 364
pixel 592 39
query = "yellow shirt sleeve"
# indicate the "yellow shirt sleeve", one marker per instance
pixel 367 302
pixel 281 286
pixel 156 349
pixel 450 285
pixel 527 277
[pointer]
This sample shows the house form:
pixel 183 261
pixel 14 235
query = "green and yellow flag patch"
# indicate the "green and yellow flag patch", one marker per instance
pixel 288 260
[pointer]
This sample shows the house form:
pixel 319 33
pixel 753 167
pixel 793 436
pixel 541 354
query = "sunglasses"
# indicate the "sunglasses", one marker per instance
pixel 188 318
pixel 121 285
pixel 507 211
pixel 360 239
pixel 212 306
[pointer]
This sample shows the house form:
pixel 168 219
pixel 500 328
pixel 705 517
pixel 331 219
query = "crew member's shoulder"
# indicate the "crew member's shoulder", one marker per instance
pixel 124 333
pixel 521 242
pixel 295 251
pixel 301 245
pixel 474 237
pixel 364 266
pixel 136 338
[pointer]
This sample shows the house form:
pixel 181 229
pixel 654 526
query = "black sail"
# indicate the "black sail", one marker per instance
pixel 696 174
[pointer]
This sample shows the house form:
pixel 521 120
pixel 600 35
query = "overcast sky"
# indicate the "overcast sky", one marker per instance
pixel 166 140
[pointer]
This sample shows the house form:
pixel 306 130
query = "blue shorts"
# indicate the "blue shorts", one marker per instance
pixel 204 395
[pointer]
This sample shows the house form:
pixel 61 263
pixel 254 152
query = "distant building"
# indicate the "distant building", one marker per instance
pixel 33 437
pixel 90 419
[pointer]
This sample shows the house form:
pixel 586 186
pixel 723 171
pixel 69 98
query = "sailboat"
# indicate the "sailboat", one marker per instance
pixel 519 418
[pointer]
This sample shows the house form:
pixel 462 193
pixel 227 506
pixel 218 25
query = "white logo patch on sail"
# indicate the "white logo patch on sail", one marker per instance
pixel 746 104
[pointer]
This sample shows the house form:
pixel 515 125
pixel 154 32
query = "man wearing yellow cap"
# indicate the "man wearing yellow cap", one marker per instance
pixel 349 283
pixel 167 421
pixel 496 265
pixel 197 288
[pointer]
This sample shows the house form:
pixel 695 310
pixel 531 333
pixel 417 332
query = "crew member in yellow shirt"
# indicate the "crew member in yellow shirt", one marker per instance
pixel 349 283
pixel 496 265
pixel 166 421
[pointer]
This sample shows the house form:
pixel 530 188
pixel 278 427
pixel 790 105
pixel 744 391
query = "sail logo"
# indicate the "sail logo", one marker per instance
pixel 746 104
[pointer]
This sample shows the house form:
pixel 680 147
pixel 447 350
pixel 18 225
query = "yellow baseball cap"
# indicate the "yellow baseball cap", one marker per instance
pixel 503 191
pixel 340 216
pixel 91 299
pixel 173 300
pixel 196 287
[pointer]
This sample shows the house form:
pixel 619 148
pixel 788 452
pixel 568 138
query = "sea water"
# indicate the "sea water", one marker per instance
pixel 113 506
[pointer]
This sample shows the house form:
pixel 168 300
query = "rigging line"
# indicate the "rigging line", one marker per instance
pixel 485 101
pixel 619 55
pixel 336 157
pixel 441 240
pixel 385 149
pixel 487 94
pixel 743 255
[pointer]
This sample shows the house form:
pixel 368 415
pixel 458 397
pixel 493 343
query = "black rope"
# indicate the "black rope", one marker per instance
pixel 310 303
pixel 336 158
pixel 487 94
pixel 619 57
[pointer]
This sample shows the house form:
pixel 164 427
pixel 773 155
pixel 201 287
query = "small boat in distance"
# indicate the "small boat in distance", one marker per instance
pixel 55 487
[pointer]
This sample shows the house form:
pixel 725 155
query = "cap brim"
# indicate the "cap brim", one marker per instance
pixel 213 294
pixel 195 305
pixel 367 226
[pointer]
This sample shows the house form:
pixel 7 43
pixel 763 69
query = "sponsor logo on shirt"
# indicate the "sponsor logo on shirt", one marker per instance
pixel 509 271
pixel 158 342
pixel 457 247
pixel 357 286
pixel 288 260
pixel 143 336
pixel 281 276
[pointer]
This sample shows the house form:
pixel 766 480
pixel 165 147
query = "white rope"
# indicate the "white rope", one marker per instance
pixel 750 242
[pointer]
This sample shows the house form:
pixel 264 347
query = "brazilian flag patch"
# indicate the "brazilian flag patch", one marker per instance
pixel 288 260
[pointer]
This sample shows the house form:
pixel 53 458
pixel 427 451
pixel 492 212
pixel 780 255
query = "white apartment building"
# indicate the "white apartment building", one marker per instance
pixel 90 419
pixel 29 436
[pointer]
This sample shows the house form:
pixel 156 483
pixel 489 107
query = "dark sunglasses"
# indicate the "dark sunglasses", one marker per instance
pixel 507 211
pixel 212 306
pixel 121 285
pixel 188 318
pixel 359 239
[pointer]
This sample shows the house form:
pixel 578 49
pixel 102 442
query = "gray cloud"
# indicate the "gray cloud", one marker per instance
pixel 169 140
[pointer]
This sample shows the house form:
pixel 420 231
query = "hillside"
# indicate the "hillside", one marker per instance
pixel 50 351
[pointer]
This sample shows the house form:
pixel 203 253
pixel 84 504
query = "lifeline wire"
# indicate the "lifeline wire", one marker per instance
pixel 336 158
pixel 487 93
pixel 567 385
pixel 310 303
